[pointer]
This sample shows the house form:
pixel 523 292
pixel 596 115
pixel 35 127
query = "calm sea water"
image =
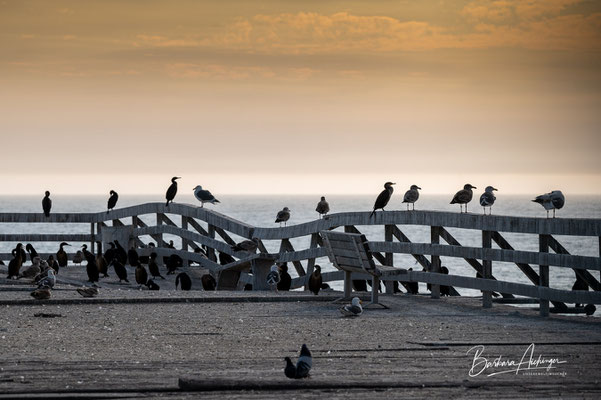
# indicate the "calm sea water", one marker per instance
pixel 261 211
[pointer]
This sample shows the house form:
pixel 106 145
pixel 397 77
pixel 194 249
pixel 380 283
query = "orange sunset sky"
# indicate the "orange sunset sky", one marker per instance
pixel 300 96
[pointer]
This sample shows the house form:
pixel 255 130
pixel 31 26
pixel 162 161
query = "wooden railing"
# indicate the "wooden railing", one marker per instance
pixel 202 226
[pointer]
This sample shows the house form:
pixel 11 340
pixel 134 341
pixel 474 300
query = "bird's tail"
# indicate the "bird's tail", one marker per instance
pixel 217 201
pixel 372 213
pixel 107 211
pixel 305 351
pixel 167 204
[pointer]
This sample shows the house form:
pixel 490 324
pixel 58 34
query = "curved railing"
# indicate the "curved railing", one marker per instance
pixel 202 226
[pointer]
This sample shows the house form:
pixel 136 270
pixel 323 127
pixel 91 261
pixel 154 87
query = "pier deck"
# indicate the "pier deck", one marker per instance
pixel 226 346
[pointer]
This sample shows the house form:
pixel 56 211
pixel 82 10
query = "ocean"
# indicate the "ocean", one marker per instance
pixel 261 211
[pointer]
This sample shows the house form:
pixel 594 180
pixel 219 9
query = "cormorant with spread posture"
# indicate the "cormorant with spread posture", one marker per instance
pixel 463 196
pixel 383 198
pixel 488 199
pixel 551 201
pixel 322 207
pixel 172 191
pixel 61 255
pixel 114 196
pixel 204 196
pixel 184 279
pixel 46 204
pixel 411 196
pixel 315 280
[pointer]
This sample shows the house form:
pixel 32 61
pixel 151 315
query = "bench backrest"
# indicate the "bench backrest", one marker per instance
pixel 349 252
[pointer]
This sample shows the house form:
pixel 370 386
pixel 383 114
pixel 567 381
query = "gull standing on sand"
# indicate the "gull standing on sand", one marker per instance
pixel 49 281
pixel 273 278
pixel 383 198
pixel 172 190
pixel 411 196
pixel 283 216
pixel 46 204
pixel 488 199
pixel 303 364
pixel 352 310
pixel 551 201
pixel 114 196
pixel 204 196
pixel 322 207
pixel 463 196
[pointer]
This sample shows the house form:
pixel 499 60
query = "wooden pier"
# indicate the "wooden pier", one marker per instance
pixel 203 227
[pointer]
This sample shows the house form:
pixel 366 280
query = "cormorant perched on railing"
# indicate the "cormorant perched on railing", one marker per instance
pixel 383 198
pixel 172 191
pixel 114 196
pixel 463 196
pixel 411 196
pixel 46 204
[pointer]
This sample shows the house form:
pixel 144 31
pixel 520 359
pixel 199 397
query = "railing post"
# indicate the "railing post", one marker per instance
pixel 184 240
pixel 211 252
pixel 486 268
pixel 134 224
pixel 99 237
pixel 543 272
pixel 160 241
pixel 435 261
pixel 388 258
pixel 92 233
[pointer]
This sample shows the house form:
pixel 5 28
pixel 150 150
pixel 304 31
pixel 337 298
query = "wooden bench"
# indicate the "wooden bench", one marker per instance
pixel 349 252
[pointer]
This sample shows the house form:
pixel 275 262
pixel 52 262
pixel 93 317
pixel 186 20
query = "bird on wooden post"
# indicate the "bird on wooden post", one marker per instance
pixel 283 216
pixel 383 198
pixel 554 200
pixel 204 196
pixel 172 191
pixel 488 199
pixel 46 204
pixel 114 196
pixel 411 196
pixel 322 207
pixel 463 196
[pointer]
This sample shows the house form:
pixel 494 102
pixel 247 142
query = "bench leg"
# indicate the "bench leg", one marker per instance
pixel 375 289
pixel 347 288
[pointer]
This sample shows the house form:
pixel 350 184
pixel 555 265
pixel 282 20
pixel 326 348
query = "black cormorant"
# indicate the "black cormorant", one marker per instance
pixel 315 280
pixel 172 191
pixel 15 264
pixel 61 255
pixel 141 274
pixel 91 267
pixel 285 279
pixel 383 198
pixel 46 204
pixel 114 196
pixel 183 279
pixel 153 267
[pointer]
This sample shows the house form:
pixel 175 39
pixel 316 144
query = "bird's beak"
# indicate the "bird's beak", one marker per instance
pixel 495 189
pixel 360 301
pixel 419 188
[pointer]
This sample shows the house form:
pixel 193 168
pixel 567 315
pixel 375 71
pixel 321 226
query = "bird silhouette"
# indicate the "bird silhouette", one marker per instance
pixel 172 190
pixel 383 198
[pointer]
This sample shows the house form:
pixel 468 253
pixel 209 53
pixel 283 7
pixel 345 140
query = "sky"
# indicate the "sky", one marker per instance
pixel 324 97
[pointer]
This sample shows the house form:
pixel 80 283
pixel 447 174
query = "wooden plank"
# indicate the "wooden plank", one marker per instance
pixel 211 251
pixel 48 237
pixel 225 236
pixel 543 273
pixel 401 237
pixel 286 246
pixel 486 269
pixel 197 226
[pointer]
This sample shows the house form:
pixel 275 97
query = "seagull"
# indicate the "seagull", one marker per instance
pixel 283 216
pixel 273 278
pixel 352 310
pixel 322 207
pixel 172 190
pixel 488 199
pixel 78 257
pixel 463 196
pixel 247 245
pixel 303 365
pixel 204 196
pixel 88 291
pixel 32 270
pixel 411 196
pixel 49 281
pixel 114 196
pixel 551 201
pixel 383 198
